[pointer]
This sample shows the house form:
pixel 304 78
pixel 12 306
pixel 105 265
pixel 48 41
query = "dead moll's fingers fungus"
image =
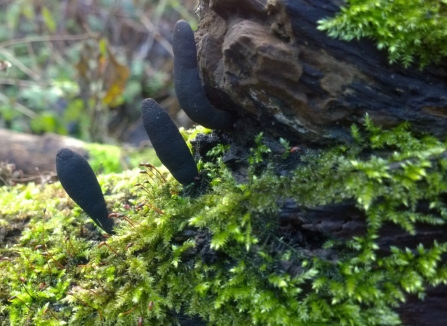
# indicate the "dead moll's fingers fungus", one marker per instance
pixel 168 143
pixel 80 183
pixel 188 85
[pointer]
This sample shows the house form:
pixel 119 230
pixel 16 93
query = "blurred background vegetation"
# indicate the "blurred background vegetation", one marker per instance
pixel 82 67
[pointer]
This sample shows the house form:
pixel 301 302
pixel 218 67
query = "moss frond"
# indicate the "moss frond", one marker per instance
pixel 409 30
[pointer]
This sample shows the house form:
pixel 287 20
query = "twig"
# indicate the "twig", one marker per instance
pixel 47 175
pixel 46 38
pixel 153 32
pixel 19 64
pixel 19 82
pixel 19 107
pixel 110 13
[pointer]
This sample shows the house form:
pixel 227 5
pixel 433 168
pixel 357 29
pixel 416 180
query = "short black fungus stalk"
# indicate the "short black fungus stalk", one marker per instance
pixel 80 183
pixel 188 85
pixel 168 143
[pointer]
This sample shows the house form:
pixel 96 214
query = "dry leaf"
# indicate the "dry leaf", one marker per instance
pixel 115 78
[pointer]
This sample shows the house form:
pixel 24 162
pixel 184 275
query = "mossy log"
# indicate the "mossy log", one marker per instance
pixel 246 237
pixel 298 220
pixel 309 227
pixel 344 221
pixel 266 59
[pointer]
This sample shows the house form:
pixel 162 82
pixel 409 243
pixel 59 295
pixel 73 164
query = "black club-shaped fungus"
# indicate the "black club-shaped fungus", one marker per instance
pixel 168 143
pixel 188 86
pixel 80 183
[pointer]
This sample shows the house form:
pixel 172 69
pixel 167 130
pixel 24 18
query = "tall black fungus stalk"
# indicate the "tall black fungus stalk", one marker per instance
pixel 80 183
pixel 168 143
pixel 188 86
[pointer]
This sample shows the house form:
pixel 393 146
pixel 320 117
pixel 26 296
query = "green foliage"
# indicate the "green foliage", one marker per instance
pixel 65 80
pixel 56 274
pixel 408 29
pixel 286 144
pixel 218 150
pixel 257 153
pixel 106 159
pixel 190 134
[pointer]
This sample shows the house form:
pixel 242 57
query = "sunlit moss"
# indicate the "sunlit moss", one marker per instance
pixel 114 159
pixel 59 271
pixel 408 29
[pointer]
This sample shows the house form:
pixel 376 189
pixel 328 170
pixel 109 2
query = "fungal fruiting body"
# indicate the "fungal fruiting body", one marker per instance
pixel 168 143
pixel 80 183
pixel 188 86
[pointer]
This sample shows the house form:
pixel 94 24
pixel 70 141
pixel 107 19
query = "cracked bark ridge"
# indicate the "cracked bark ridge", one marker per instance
pixel 80 183
pixel 267 59
pixel 188 85
pixel 168 143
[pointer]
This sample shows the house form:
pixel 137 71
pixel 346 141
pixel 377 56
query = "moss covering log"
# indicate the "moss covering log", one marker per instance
pixel 262 251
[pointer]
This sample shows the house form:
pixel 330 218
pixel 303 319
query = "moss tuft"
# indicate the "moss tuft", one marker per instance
pixel 407 29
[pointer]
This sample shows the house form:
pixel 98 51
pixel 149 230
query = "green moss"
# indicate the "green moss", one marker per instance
pixel 191 134
pixel 59 271
pixel 408 29
pixel 107 159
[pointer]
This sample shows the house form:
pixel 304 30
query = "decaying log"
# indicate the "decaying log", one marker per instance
pixel 33 155
pixel 268 60
pixel 343 221
pixel 265 59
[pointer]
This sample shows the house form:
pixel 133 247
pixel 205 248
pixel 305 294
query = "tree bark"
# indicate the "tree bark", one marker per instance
pixel 267 59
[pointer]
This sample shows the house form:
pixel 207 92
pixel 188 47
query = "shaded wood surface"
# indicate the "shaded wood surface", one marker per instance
pixel 266 59
pixel 343 221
